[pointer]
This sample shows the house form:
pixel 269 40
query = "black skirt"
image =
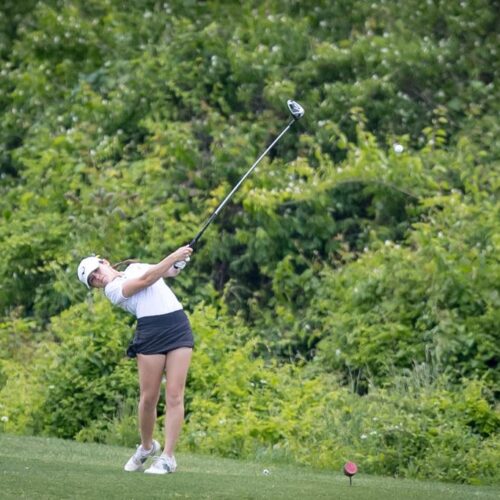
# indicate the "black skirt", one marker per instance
pixel 161 334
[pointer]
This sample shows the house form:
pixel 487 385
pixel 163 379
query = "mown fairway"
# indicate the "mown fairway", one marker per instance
pixel 50 468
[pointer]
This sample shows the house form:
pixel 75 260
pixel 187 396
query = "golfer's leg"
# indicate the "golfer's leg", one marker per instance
pixel 151 368
pixel 176 367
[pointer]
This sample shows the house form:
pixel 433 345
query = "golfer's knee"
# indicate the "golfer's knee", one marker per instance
pixel 175 398
pixel 148 401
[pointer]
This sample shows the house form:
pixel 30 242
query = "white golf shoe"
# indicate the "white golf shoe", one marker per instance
pixel 162 465
pixel 137 460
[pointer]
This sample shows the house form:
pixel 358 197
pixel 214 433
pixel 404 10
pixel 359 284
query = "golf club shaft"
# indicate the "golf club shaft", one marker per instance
pixel 297 112
pixel 240 182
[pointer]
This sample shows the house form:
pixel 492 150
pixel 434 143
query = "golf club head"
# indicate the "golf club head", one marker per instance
pixel 295 108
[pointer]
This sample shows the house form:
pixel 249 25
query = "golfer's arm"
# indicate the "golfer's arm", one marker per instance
pixel 172 272
pixel 152 275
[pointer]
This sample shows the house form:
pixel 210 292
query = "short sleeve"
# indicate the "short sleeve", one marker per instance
pixel 114 292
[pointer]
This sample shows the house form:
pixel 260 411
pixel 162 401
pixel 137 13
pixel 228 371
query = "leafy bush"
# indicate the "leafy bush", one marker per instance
pixel 437 301
pixel 90 378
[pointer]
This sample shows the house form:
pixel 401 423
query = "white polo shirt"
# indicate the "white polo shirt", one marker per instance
pixel 151 301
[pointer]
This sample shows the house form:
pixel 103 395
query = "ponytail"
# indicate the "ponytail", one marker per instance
pixel 124 263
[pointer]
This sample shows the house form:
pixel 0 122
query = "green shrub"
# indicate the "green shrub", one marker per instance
pixel 90 379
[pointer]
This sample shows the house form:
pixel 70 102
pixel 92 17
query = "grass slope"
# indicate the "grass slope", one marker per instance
pixel 46 468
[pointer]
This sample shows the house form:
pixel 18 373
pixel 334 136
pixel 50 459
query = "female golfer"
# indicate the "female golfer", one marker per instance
pixel 163 342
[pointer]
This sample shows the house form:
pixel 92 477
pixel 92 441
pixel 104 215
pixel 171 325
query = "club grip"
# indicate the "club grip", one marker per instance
pixel 181 264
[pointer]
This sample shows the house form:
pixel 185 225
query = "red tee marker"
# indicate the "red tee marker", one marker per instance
pixel 350 468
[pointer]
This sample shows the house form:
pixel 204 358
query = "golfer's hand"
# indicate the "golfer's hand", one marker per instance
pixel 182 253
pixel 173 272
pixel 182 256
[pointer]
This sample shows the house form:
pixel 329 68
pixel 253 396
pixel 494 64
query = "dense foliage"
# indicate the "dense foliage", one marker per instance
pixel 346 302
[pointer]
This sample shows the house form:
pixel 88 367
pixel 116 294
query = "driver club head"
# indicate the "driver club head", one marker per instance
pixel 296 109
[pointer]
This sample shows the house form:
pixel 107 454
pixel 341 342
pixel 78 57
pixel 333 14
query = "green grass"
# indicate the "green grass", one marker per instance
pixel 42 468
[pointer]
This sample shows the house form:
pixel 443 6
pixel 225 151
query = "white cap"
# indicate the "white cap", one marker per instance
pixel 87 266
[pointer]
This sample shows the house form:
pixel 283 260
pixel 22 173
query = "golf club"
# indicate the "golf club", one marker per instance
pixel 297 111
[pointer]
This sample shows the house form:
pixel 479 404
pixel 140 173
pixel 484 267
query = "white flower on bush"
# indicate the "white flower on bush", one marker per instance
pixel 363 436
pixel 5 418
